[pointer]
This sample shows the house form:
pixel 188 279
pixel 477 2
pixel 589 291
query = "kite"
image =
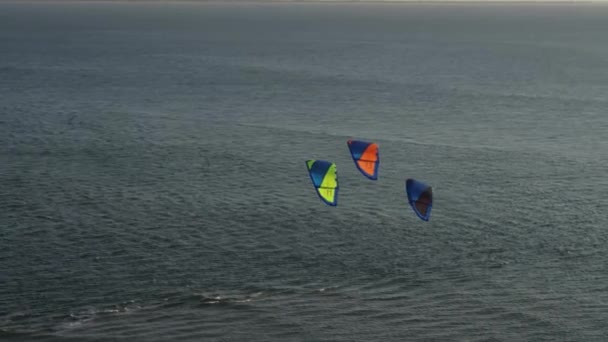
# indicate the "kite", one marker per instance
pixel 420 197
pixel 366 158
pixel 324 177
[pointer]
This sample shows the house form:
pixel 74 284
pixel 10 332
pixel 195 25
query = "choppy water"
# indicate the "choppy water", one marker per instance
pixel 154 186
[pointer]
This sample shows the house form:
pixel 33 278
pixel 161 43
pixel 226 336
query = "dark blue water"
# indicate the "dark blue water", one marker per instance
pixel 153 185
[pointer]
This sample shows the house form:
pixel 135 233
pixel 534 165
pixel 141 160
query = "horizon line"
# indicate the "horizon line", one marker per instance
pixel 572 2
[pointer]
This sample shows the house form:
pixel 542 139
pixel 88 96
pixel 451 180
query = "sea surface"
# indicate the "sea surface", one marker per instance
pixel 153 184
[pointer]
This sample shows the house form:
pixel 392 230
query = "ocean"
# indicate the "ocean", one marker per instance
pixel 154 186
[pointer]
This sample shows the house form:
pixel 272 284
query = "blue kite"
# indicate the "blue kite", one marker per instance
pixel 420 197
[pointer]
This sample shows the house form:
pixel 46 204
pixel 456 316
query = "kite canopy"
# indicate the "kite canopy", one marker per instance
pixel 420 197
pixel 325 179
pixel 366 158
